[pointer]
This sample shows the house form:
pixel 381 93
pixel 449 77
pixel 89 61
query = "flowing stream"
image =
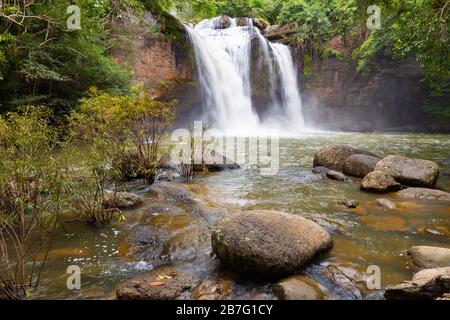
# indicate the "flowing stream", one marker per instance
pixel 370 236
pixel 224 69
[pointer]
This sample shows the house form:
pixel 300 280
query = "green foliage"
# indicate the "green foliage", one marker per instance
pixel 415 29
pixel 32 193
pixel 40 57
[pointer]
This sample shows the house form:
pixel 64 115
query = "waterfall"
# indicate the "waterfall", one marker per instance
pixel 223 54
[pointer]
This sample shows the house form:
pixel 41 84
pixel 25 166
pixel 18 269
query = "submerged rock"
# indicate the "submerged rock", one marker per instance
pixel 359 165
pixel 424 194
pixel 445 162
pixel 320 170
pixel 379 181
pixel 122 200
pixel 335 175
pixel 298 288
pixel 430 257
pixel 410 172
pixel 425 284
pixel 334 156
pixel 268 243
pixel 348 203
pixel 386 204
pixel 165 283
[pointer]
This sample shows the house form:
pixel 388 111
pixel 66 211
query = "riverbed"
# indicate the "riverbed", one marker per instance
pixel 365 236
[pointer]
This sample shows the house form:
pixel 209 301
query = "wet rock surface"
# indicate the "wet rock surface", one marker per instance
pixel 429 257
pixel 359 165
pixel 379 181
pixel 334 156
pixel 386 204
pixel 425 284
pixel 424 194
pixel 335 175
pixel 164 283
pixel 410 172
pixel 298 288
pixel 268 243
pixel 122 200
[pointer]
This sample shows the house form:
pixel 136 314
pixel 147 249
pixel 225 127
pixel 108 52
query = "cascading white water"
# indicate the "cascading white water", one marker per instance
pixel 223 57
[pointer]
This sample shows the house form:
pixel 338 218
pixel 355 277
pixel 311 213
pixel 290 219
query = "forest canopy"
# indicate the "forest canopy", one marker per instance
pixel 41 62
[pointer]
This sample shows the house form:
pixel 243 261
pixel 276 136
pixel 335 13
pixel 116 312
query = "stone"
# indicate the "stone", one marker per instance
pixel 430 257
pixel 386 204
pixel 268 243
pixel 359 165
pixel 410 172
pixel 298 288
pixel 122 200
pixel 348 203
pixel 164 283
pixel 335 175
pixel 379 181
pixel 334 156
pixel 277 32
pixel 261 24
pixel 424 194
pixel 222 22
pixel 243 21
pixel 320 170
pixel 425 284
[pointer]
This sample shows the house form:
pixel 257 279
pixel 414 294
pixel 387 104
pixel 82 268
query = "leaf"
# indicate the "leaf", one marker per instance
pixel 162 277
pixel 156 283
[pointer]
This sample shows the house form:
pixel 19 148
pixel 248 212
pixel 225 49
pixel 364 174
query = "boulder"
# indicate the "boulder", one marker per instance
pixel 359 165
pixel 261 24
pixel 379 181
pixel 222 22
pixel 277 32
pixel 165 283
pixel 386 204
pixel 336 175
pixel 268 243
pixel 430 257
pixel 425 284
pixel 122 200
pixel 216 162
pixel 320 170
pixel 348 203
pixel 424 194
pixel 298 288
pixel 410 172
pixel 334 156
pixel 243 21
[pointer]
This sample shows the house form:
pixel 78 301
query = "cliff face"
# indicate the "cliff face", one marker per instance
pixel 337 97
pixel 160 57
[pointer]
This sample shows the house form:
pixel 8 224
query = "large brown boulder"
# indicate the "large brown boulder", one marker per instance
pixel 410 172
pixel 334 156
pixel 359 165
pixel 268 243
pixel 430 257
pixel 165 283
pixel 379 181
pixel 425 284
pixel 424 194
